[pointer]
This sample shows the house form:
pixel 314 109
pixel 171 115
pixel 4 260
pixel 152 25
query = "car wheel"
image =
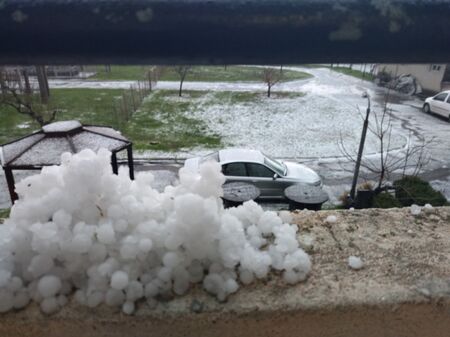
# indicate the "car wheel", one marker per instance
pixel 426 108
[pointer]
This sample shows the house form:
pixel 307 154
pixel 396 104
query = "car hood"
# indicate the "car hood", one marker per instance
pixel 302 173
pixel 192 164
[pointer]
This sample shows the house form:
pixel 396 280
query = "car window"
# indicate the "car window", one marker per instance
pixel 234 169
pixel 448 99
pixel 275 165
pixel 258 170
pixel 440 97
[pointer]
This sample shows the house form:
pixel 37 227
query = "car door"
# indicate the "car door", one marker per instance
pixel 263 178
pixel 235 172
pixel 447 107
pixel 438 104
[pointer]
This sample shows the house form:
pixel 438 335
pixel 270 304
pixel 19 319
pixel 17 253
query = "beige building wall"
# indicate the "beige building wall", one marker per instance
pixel 429 76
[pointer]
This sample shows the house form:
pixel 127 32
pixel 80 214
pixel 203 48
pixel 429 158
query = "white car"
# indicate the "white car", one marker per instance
pixel 439 104
pixel 271 176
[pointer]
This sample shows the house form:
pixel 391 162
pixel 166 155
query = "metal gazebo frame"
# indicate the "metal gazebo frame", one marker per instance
pixel 9 165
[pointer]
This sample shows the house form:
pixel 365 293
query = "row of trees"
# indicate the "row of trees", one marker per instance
pixel 269 75
pixel 31 96
pixel 19 92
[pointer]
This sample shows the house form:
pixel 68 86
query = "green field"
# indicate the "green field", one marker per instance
pixel 86 105
pixel 196 74
pixel 156 125
pixel 163 122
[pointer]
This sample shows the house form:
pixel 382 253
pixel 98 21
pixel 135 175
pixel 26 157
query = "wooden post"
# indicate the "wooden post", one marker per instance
pixel 114 165
pixel 43 83
pixel 19 80
pixel 130 160
pixel 10 181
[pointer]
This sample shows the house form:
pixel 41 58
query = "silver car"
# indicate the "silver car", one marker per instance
pixel 271 176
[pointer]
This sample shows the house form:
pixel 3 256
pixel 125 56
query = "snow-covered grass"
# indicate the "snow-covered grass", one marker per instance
pixel 292 126
pixel 165 123
pixel 79 228
pixel 161 123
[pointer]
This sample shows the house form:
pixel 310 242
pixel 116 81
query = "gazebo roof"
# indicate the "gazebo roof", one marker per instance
pixel 44 147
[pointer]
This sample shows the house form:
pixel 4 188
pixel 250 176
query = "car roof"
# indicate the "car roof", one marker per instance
pixel 245 155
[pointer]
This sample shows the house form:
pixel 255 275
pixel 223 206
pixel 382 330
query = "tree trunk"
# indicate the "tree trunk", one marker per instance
pixel 3 81
pixel 43 84
pixel 181 87
pixel 268 90
pixel 26 79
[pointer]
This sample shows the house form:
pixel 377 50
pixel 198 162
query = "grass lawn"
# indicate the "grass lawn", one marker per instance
pixel 4 213
pixel 355 73
pixel 117 73
pixel 344 70
pixel 86 105
pixel 197 73
pixel 159 124
pixel 163 122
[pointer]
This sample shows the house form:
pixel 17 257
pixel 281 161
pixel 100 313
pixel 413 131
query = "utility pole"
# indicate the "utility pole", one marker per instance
pixel 361 149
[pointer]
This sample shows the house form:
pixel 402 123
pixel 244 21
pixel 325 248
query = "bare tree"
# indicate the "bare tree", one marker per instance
pixel 182 72
pixel 22 100
pixel 270 77
pixel 388 162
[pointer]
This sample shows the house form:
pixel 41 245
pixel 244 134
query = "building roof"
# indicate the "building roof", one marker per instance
pixel 44 147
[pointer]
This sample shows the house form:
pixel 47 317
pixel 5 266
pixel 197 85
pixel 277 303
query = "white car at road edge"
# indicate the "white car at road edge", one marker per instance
pixel 438 104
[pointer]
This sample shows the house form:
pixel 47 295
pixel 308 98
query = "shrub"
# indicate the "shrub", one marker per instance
pixel 413 190
pixel 367 186
pixel 385 200
pixel 344 199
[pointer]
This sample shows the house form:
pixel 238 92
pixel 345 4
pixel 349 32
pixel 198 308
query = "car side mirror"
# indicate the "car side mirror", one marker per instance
pixel 275 176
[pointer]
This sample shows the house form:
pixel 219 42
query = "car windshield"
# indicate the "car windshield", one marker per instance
pixel 212 156
pixel 275 165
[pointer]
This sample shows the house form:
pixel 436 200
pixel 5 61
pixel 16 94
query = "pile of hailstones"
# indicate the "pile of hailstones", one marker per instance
pixel 78 227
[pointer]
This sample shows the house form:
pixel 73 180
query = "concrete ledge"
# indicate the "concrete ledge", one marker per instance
pixel 403 290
